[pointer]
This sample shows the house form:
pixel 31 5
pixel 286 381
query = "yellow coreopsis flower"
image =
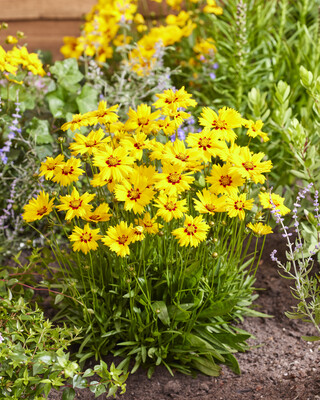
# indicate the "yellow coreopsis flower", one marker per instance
pixel 272 200
pixel 169 207
pixel 47 167
pixel 135 145
pixel 103 115
pixel 223 181
pixel 67 172
pixel 113 163
pixel 172 100
pixel 249 165
pixel 254 129
pixel 209 203
pixel 135 192
pixel 259 228
pixel 84 239
pixel 173 180
pixel 76 205
pixel 141 120
pixel 118 238
pixel 178 153
pixel 98 180
pixel 78 120
pixel 137 232
pixel 100 214
pixel 148 223
pixel 38 207
pixel 88 144
pixel 207 145
pixel 235 205
pixel 193 232
pixel 5 62
pixel 221 125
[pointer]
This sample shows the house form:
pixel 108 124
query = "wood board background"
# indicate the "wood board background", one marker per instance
pixel 46 22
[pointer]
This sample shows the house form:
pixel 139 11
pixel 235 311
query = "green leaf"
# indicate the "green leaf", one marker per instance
pixel 67 73
pixel 310 338
pixel 218 309
pixel 68 394
pixel 88 99
pixel 160 308
pixel 39 130
pixel 58 298
pixel 193 274
pixel 206 366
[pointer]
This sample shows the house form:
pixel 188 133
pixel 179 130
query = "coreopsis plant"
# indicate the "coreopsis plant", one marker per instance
pixel 156 267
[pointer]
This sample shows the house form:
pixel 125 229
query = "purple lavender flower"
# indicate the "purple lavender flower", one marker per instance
pixel 14 127
pixel 212 75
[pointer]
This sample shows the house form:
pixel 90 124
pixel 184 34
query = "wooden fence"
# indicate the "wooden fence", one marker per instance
pixel 46 22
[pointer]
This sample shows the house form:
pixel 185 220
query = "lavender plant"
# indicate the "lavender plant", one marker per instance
pixel 299 266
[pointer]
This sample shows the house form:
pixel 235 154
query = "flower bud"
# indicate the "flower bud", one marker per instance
pixel 212 223
pixel 61 139
pixel 214 255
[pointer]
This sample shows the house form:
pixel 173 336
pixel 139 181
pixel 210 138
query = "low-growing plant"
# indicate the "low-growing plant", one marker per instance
pixel 159 269
pixel 299 265
pixel 34 354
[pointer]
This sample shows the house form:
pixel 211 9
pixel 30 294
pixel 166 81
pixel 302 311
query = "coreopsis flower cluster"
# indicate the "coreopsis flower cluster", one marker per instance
pixel 11 60
pixel 144 184
pixel 104 30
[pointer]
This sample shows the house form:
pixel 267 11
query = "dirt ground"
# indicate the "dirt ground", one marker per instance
pixel 279 366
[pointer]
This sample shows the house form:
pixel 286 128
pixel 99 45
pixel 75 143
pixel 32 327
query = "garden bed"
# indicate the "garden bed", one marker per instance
pixel 280 365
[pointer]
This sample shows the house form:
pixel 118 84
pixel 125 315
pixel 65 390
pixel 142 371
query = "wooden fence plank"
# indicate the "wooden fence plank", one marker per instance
pixel 44 35
pixel 44 9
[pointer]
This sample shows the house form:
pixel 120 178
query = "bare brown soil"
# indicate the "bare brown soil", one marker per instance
pixel 279 366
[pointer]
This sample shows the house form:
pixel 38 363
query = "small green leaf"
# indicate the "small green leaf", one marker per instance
pixel 160 308
pixel 310 338
pixel 68 394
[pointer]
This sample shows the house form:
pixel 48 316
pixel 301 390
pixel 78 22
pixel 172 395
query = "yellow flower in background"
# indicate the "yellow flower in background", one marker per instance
pixel 249 165
pixel 38 207
pixel 223 180
pixel 205 48
pixel 209 203
pixel 181 19
pixel 5 63
pixel 235 205
pixel 193 232
pixel 206 144
pixel 266 200
pixel 118 238
pixel 260 229
pixel 137 232
pixel 88 144
pixel 254 129
pixel 47 167
pixel 113 163
pixel 141 120
pixel 84 239
pixel 67 172
pixel 173 180
pixel 76 205
pixel 169 207
pixel 221 124
pixel 100 214
pixel 149 224
pixel 72 48
pixel 212 8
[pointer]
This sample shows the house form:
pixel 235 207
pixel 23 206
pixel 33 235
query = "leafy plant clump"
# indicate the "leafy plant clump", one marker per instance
pixel 158 269
pixel 34 357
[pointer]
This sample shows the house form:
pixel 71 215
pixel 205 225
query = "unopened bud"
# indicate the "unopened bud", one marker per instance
pixel 61 139
pixel 214 255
